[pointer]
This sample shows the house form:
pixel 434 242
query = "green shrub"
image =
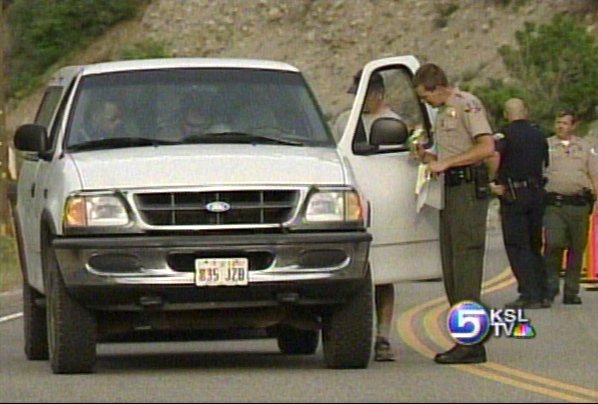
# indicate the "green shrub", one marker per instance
pixel 10 275
pixel 553 66
pixel 43 31
pixel 147 49
pixel 494 96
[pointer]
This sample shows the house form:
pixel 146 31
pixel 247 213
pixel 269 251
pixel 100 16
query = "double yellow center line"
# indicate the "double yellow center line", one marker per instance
pixel 429 314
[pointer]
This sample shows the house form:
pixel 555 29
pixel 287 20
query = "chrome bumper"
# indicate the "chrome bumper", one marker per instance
pixel 100 268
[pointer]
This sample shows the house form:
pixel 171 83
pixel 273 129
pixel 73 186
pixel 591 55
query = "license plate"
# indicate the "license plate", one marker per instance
pixel 221 272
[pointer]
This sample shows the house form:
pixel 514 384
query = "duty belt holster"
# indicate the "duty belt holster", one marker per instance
pixel 512 185
pixel 554 199
pixel 510 194
pixel 458 175
pixel 589 195
pixel 477 174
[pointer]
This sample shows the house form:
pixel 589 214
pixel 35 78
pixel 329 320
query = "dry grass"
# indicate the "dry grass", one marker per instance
pixel 10 275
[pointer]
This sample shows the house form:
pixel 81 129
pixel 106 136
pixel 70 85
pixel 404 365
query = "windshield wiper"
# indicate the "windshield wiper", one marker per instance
pixel 240 137
pixel 118 142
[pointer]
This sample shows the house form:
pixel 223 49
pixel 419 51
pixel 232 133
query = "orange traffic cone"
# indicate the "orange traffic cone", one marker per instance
pixel 592 254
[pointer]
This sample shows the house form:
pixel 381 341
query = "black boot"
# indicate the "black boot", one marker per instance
pixel 462 354
pixel 571 299
pixel 522 303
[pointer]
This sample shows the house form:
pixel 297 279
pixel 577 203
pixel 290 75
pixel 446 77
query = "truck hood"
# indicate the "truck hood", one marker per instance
pixel 199 165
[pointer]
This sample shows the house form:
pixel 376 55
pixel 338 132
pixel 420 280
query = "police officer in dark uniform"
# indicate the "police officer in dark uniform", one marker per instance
pixel 519 182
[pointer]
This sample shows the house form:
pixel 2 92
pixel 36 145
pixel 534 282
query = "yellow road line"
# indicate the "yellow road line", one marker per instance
pixel 543 380
pixel 489 370
pixel 479 371
pixel 406 330
pixel 432 321
pixel 405 321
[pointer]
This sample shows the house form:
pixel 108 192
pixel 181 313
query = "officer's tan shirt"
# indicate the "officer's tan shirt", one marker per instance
pixel 572 165
pixel 459 121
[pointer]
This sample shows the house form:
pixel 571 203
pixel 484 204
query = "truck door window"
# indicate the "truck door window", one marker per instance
pixel 391 95
pixel 48 106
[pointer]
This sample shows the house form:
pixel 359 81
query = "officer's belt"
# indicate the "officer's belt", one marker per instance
pixel 552 198
pixel 529 183
pixel 458 175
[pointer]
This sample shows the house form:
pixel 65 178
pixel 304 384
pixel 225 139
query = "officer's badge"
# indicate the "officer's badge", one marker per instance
pixel 450 111
pixel 472 106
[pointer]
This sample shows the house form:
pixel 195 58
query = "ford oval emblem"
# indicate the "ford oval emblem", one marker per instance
pixel 218 207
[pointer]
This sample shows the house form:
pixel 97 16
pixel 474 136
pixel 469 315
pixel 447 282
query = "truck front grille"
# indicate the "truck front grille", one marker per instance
pixel 245 207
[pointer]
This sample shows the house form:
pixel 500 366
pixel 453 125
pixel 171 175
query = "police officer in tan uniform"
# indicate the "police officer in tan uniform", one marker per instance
pixel 571 189
pixel 463 140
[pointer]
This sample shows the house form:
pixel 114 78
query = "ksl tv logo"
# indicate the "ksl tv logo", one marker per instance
pixel 469 323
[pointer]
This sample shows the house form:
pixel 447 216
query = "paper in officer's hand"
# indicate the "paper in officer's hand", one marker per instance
pixel 429 189
pixel 423 176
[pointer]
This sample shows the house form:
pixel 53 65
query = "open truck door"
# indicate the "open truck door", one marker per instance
pixel 406 242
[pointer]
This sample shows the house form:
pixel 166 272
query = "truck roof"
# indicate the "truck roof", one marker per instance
pixel 67 72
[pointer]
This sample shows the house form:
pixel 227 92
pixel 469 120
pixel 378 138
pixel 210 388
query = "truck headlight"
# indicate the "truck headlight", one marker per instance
pixel 95 211
pixel 335 206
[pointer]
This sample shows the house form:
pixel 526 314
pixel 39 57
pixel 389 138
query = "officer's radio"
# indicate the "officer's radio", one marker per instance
pixel 481 181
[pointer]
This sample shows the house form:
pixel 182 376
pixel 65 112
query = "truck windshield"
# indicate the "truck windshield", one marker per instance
pixel 185 106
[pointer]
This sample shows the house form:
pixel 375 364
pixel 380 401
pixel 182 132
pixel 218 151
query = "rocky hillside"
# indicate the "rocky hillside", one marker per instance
pixel 330 39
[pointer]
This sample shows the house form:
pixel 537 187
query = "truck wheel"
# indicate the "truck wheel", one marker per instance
pixel 71 327
pixel 292 341
pixel 347 329
pixel 34 321
pixel 34 315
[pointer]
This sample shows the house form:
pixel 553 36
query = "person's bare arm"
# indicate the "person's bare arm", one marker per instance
pixel 493 163
pixel 425 156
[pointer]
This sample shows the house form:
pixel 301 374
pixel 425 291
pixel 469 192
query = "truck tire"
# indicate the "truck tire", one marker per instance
pixel 347 329
pixel 71 327
pixel 35 330
pixel 292 341
pixel 34 322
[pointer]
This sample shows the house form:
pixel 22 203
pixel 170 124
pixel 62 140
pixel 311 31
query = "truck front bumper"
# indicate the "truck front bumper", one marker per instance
pixel 134 272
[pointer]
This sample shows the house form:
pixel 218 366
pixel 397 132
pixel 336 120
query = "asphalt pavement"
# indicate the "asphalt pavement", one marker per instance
pixel 558 365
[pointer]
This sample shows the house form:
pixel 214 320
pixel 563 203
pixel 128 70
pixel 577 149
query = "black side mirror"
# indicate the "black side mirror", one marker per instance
pixel 31 138
pixel 388 132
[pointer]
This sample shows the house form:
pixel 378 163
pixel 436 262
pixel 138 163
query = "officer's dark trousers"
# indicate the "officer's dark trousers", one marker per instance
pixel 522 235
pixel 566 227
pixel 462 242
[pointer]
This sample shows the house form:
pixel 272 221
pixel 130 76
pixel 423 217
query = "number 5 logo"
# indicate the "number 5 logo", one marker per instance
pixel 468 323
pixel 465 317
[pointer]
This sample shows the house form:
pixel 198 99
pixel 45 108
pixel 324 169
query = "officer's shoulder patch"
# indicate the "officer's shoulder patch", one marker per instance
pixel 472 106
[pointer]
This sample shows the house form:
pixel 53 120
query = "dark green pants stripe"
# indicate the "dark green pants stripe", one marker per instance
pixel 463 242
pixel 566 227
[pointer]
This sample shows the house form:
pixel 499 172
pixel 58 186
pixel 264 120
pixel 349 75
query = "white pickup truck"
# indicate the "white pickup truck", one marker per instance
pixel 177 195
